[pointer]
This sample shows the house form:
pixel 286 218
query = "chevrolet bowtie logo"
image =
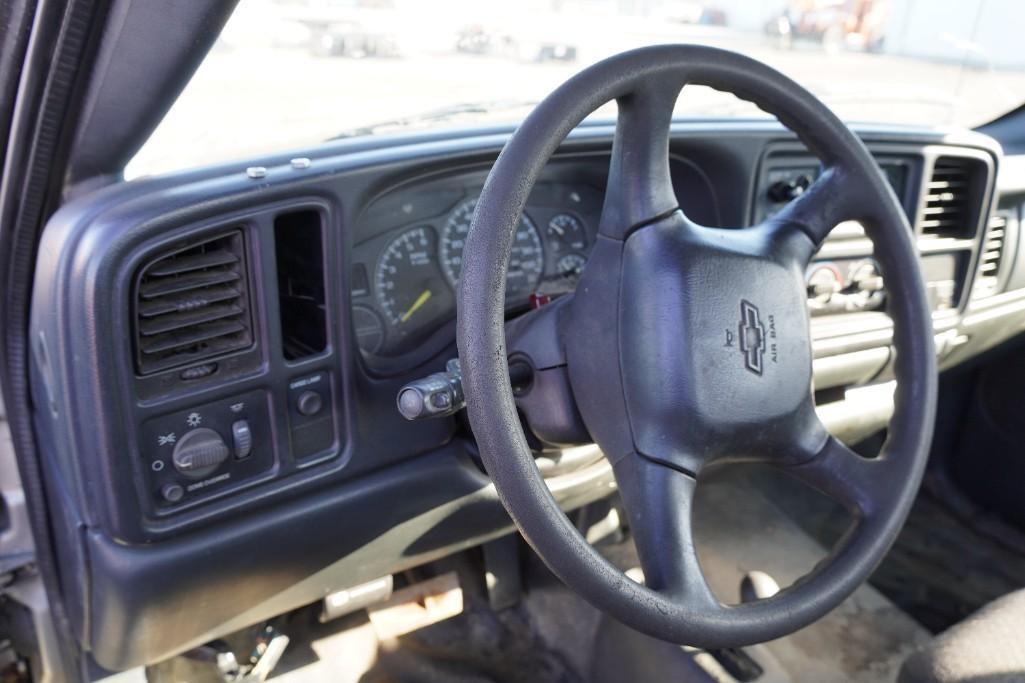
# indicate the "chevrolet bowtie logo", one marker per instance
pixel 752 337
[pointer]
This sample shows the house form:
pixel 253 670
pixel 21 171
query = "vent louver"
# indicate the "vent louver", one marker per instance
pixel 992 254
pixel 192 304
pixel 951 198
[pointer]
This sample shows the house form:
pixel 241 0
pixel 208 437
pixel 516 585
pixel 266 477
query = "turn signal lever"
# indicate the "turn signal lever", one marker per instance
pixel 435 395
pixel 441 394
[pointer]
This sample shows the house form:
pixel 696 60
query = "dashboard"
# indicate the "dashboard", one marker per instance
pixel 217 353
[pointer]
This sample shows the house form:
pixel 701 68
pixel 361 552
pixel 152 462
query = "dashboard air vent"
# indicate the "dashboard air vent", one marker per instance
pixel 952 198
pixel 192 304
pixel 991 255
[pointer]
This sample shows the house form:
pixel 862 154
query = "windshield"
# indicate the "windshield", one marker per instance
pixel 290 73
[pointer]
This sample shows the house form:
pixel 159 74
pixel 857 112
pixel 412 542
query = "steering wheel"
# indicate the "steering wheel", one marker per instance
pixel 687 345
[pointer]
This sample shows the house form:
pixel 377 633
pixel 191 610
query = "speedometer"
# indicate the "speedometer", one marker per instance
pixel 526 261
pixel 409 287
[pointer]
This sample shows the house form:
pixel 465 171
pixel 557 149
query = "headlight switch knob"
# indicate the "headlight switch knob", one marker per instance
pixel 199 452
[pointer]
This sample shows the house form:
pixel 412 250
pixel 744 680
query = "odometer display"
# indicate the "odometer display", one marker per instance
pixel 526 260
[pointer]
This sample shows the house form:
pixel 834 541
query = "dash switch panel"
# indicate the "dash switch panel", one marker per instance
pixel 196 451
pixel 311 422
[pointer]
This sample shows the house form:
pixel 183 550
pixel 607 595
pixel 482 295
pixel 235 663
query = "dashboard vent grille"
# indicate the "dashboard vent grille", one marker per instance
pixel 192 304
pixel 951 198
pixel 992 254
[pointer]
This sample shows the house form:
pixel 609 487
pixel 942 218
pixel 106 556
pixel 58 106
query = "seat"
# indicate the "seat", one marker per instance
pixel 987 647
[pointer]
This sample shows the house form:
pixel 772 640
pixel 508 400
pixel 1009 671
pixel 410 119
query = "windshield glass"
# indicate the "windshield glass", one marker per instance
pixel 290 73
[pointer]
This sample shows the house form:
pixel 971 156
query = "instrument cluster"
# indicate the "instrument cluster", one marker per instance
pixel 406 266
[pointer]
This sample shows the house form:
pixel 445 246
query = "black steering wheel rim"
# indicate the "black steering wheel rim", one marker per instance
pixel 646 83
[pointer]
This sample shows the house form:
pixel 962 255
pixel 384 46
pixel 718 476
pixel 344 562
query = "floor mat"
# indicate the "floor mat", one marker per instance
pixel 478 645
pixel 939 571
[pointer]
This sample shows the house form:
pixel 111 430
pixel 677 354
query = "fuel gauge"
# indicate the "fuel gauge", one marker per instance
pixel 571 265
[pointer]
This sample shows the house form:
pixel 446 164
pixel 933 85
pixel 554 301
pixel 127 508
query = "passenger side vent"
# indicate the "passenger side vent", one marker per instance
pixel 192 304
pixel 987 280
pixel 952 198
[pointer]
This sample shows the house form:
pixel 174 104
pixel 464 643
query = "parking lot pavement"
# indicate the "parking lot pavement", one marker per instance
pixel 247 100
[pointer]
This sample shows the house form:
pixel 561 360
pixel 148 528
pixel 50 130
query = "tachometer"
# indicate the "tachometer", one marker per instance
pixel 526 262
pixel 410 289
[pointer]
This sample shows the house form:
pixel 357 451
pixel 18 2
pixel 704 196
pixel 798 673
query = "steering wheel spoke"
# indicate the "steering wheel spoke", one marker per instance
pixel 827 202
pixel 640 189
pixel 659 502
pixel 856 482
pixel 820 460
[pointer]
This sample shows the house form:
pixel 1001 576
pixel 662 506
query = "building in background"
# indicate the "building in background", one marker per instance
pixel 975 33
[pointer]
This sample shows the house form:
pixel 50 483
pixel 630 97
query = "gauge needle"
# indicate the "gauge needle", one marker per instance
pixel 420 301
